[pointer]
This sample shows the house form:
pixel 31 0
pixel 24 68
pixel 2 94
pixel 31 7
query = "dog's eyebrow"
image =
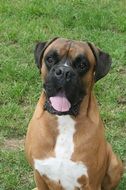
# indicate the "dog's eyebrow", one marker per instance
pixel 53 53
pixel 80 57
pixel 47 44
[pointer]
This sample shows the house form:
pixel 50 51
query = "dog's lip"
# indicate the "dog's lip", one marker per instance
pixel 60 102
pixel 74 109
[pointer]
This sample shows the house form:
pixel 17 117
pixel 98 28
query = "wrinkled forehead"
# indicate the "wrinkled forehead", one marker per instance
pixel 70 48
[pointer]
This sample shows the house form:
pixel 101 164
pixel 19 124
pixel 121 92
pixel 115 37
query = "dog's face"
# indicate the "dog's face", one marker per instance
pixel 69 69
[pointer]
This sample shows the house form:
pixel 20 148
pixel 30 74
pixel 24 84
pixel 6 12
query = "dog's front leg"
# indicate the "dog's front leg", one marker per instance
pixel 40 183
pixel 114 172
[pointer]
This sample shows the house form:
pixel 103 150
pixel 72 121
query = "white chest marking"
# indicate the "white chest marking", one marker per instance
pixel 61 168
pixel 65 145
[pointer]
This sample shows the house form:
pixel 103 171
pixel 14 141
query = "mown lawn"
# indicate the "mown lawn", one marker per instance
pixel 23 22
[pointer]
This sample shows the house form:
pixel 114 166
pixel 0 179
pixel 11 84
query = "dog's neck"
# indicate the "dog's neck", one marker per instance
pixel 89 108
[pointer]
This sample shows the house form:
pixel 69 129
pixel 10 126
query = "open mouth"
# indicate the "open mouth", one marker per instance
pixel 60 102
pixel 64 102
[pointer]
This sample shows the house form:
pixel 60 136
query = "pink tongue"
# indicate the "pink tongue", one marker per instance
pixel 60 102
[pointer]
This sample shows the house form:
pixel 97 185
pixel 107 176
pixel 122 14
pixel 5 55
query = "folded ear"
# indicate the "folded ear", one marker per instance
pixel 39 51
pixel 103 62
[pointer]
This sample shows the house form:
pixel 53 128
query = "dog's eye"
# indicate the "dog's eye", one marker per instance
pixel 50 59
pixel 81 64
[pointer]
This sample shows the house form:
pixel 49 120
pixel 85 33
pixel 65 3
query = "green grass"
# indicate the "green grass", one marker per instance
pixel 23 23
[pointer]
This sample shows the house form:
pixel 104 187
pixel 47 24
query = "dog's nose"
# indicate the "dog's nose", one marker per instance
pixel 63 72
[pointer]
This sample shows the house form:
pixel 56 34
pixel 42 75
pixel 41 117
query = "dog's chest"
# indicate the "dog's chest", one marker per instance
pixel 61 168
pixel 64 144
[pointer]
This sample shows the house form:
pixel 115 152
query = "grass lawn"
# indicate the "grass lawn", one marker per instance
pixel 23 22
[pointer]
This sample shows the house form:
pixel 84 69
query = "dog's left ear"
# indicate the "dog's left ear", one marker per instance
pixel 39 51
pixel 103 62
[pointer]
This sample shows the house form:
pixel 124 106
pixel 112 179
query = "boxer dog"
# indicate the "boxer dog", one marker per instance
pixel 65 142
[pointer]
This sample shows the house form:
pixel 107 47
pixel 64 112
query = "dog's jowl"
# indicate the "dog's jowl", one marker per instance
pixel 65 142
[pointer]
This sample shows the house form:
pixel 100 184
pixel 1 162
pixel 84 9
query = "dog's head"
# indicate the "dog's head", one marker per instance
pixel 69 70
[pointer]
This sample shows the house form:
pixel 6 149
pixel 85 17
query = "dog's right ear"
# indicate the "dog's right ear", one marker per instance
pixel 38 52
